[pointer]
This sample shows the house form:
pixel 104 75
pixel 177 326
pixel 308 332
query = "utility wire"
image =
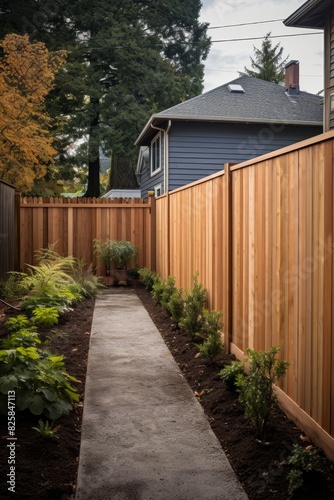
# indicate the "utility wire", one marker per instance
pixel 262 37
pixel 161 44
pixel 244 24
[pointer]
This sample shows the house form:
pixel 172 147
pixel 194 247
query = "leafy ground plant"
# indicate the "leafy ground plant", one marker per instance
pixel 45 317
pixel 230 373
pixel 303 461
pixel 47 430
pixel 40 381
pixel 256 390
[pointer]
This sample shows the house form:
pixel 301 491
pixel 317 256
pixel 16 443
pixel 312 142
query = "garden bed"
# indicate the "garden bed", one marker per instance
pixel 261 468
pixel 48 469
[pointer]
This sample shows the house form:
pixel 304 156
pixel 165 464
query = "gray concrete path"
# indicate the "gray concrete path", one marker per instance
pixel 144 435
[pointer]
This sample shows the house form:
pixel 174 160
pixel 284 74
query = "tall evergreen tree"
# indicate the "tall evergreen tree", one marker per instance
pixel 127 59
pixel 268 64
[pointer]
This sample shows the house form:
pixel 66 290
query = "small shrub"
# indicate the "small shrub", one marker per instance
pixel 211 347
pixel 212 322
pixel 175 306
pixel 148 278
pixel 45 317
pixel 194 304
pixel 303 461
pixel 213 344
pixel 256 390
pixel 157 289
pixel 230 373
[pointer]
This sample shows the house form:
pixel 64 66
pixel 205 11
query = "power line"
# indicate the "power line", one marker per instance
pixel 244 24
pixel 262 37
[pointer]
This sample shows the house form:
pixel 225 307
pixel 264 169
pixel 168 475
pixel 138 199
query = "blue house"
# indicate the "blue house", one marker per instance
pixel 235 122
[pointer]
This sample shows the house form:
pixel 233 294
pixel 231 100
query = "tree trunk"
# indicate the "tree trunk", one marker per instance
pixel 93 186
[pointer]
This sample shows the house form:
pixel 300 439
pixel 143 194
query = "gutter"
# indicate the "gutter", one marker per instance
pixel 294 18
pixel 166 158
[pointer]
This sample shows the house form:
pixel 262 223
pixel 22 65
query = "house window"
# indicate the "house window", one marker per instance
pixel 156 155
pixel 157 190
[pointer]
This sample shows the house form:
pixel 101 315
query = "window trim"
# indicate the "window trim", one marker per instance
pixel 157 170
pixel 158 186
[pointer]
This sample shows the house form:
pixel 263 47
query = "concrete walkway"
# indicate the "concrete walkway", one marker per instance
pixel 144 435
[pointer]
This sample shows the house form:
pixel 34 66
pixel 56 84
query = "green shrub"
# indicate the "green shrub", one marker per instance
pixel 40 381
pixel 256 390
pixel 230 373
pixel 213 344
pixel 303 461
pixel 194 304
pixel 175 305
pixel 211 347
pixel 17 323
pixel 26 337
pixel 157 289
pixel 148 278
pixel 163 290
pixel 45 317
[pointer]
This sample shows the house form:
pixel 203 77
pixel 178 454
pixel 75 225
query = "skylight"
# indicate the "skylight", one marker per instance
pixel 233 87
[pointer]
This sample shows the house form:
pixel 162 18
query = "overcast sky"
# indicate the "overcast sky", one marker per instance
pixel 227 58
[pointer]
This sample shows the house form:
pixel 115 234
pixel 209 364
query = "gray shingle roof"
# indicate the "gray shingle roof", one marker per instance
pixel 261 101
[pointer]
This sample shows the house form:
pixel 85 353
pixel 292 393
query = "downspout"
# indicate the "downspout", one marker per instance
pixel 166 156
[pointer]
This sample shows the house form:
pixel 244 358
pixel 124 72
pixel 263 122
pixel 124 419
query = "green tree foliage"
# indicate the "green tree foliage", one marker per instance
pixel 127 60
pixel 268 63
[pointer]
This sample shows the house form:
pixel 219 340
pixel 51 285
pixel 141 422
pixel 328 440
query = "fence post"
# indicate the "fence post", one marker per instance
pixel 227 256
pixel 153 213
pixel 17 235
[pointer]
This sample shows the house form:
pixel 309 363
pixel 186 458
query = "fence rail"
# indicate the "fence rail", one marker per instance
pixel 73 224
pixel 260 234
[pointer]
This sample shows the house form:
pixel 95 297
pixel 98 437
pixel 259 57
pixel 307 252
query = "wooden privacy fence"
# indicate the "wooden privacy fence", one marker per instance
pixel 260 234
pixel 74 223
pixel 9 236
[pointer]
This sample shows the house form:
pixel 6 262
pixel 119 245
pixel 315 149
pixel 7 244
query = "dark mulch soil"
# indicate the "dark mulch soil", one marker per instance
pixel 48 469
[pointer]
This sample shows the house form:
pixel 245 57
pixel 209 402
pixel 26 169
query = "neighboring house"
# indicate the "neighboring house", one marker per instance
pixel 122 193
pixel 240 120
pixel 319 14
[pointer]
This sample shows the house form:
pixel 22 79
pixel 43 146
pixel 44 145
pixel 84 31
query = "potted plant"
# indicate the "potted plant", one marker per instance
pixel 134 276
pixel 103 249
pixel 123 253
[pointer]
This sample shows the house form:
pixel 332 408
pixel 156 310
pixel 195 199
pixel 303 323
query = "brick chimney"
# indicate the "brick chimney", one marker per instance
pixel 292 77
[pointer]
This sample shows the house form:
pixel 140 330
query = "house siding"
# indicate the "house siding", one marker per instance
pixel 148 181
pixel 200 149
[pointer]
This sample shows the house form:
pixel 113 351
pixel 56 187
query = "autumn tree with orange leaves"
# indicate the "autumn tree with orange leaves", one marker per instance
pixel 26 77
